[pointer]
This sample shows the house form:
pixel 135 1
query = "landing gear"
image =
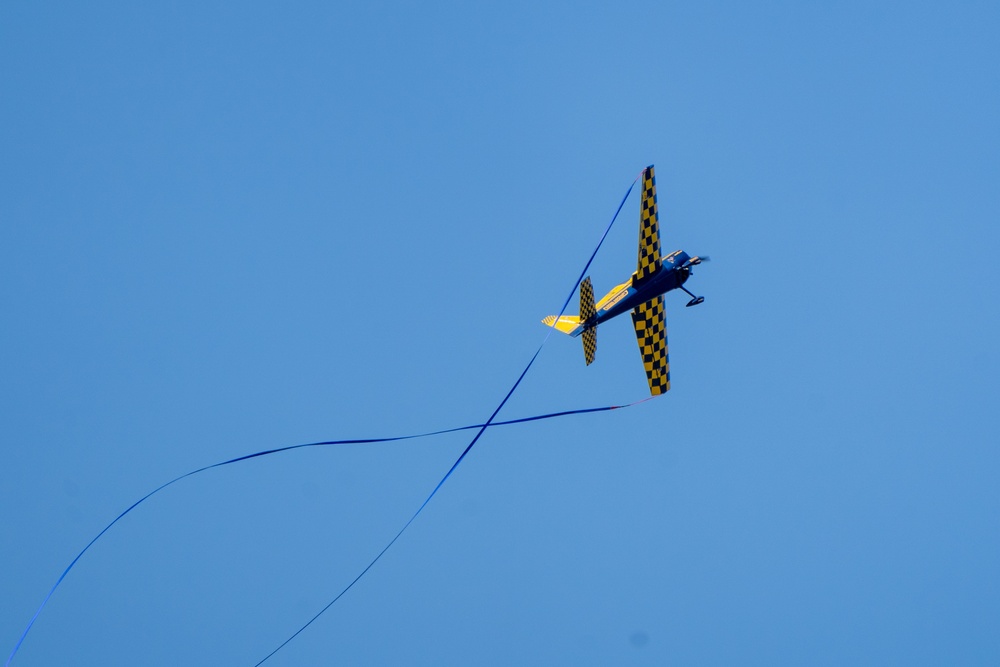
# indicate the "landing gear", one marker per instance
pixel 695 300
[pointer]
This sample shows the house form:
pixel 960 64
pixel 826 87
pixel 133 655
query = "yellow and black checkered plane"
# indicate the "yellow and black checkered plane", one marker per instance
pixel 641 295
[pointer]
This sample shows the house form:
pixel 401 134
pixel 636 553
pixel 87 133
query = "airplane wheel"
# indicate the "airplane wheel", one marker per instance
pixel 695 301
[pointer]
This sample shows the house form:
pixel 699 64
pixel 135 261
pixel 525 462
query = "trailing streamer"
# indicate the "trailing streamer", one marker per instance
pixel 481 428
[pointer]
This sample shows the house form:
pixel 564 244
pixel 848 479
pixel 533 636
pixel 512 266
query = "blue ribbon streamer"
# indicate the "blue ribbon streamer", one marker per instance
pixel 278 450
pixel 481 429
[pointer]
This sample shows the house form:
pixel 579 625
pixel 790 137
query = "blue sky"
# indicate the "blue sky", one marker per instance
pixel 226 229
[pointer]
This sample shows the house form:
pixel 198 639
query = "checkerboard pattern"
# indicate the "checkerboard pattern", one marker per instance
pixel 588 314
pixel 650 324
pixel 649 229
pixel 589 344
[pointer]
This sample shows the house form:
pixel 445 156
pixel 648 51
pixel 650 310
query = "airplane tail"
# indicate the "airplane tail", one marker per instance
pixel 585 324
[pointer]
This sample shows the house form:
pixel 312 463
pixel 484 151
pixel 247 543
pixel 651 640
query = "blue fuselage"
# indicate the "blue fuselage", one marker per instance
pixel 671 275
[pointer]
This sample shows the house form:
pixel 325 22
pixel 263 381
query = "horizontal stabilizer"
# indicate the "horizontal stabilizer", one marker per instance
pixel 588 315
pixel 568 324
pixel 589 344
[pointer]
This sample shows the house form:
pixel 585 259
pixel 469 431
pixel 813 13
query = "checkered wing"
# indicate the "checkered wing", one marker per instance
pixel 649 229
pixel 650 323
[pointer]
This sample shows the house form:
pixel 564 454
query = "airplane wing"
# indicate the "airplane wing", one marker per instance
pixel 649 229
pixel 650 323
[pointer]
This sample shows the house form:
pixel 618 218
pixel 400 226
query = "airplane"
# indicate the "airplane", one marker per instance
pixel 642 294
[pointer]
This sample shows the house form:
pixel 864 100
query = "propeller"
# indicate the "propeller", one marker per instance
pixel 695 261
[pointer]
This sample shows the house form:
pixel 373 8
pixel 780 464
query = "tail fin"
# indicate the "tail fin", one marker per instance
pixel 588 317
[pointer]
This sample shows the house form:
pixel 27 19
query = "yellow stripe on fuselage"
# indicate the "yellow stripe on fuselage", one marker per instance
pixel 616 294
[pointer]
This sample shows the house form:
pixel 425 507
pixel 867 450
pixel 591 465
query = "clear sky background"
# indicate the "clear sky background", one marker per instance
pixel 227 227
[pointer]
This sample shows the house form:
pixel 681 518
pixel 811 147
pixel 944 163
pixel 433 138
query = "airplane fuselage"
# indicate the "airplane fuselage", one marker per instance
pixel 628 295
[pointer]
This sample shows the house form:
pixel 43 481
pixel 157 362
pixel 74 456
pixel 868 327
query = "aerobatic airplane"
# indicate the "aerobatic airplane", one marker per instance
pixel 642 294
